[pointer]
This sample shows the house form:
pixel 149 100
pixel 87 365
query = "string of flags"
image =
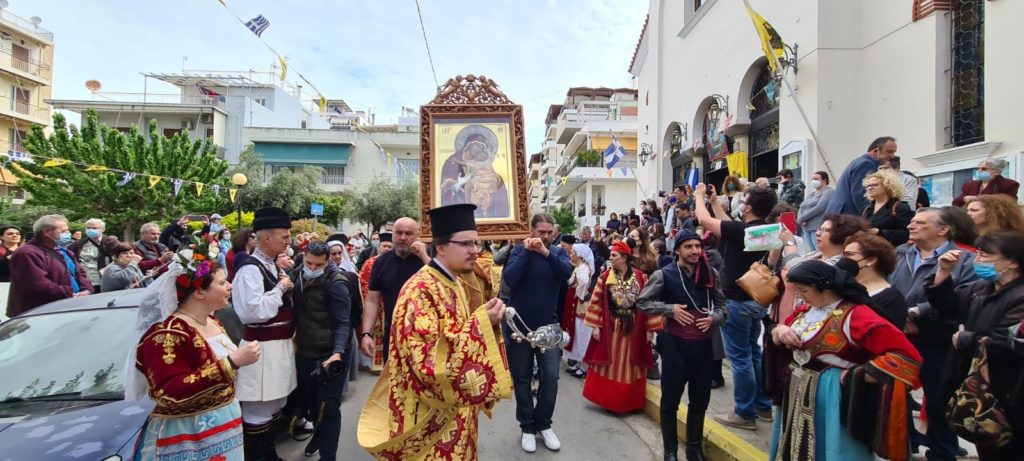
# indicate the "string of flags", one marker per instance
pixel 387 157
pixel 126 176
pixel 258 25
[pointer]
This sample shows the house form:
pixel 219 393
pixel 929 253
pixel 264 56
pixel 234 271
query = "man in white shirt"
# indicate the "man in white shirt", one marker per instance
pixel 262 301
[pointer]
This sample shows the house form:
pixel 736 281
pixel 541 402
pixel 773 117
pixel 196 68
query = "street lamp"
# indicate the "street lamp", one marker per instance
pixel 645 153
pixel 719 105
pixel 239 180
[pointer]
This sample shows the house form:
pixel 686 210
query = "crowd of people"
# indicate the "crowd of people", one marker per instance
pixel 878 294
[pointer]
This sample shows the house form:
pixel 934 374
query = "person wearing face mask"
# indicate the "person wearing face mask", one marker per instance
pixel 990 181
pixel 90 251
pixel 370 251
pixel 323 332
pixel 732 193
pixel 123 272
pixel 215 225
pixel 812 209
pixel 43 271
pixel 792 188
pixel 985 310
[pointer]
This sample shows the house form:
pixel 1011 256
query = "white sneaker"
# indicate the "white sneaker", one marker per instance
pixel 551 440
pixel 529 442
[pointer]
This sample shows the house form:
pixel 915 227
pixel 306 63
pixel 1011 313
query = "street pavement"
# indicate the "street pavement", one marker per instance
pixel 587 432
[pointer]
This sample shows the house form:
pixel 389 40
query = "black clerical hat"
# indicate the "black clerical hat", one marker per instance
pixel 568 238
pixel 385 236
pixel 338 237
pixel 450 219
pixel 271 218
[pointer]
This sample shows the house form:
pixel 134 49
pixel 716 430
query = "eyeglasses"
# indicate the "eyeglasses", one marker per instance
pixel 469 244
pixel 872 186
pixel 824 230
pixel 850 254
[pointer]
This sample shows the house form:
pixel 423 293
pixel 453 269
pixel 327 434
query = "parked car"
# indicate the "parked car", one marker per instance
pixel 62 369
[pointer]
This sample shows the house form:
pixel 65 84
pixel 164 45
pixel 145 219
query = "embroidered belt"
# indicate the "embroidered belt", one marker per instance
pixel 268 332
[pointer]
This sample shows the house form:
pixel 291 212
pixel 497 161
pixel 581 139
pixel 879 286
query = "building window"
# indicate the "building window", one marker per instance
pixel 968 77
pixel 20 98
pixel 261 101
pixel 407 168
pixel 333 174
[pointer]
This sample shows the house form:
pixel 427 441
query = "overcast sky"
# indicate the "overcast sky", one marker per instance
pixel 368 52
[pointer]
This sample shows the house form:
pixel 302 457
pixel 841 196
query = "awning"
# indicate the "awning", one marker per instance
pixel 298 154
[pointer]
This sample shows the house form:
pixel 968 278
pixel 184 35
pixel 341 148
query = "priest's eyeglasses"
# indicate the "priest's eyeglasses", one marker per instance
pixel 468 244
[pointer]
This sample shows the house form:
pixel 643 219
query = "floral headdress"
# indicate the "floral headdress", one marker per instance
pixel 198 262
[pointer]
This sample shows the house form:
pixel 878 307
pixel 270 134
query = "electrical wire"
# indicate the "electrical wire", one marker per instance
pixel 427 44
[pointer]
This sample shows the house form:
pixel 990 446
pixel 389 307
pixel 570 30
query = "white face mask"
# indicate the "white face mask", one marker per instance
pixel 815 184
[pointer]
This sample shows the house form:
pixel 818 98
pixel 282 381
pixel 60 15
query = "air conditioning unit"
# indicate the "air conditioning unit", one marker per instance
pixel 186 124
pixel 206 118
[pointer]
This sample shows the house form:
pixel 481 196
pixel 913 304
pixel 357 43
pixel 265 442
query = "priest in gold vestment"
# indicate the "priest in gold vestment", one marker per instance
pixel 446 360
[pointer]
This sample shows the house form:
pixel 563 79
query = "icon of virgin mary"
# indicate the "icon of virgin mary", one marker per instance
pixel 468 176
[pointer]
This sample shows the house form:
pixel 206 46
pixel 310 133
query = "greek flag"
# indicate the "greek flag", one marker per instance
pixel 613 153
pixel 693 177
pixel 258 25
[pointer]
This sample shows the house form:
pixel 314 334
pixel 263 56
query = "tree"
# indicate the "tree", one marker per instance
pixel 292 191
pixel 565 218
pixel 383 201
pixel 96 194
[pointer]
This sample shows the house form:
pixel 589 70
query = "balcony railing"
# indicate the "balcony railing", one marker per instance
pixel 28 66
pixel 159 98
pixel 25 108
pixel 334 180
pixel 26 24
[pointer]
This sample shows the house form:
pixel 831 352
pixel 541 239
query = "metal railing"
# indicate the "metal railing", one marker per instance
pixel 29 66
pixel 158 98
pixel 26 24
pixel 25 108
pixel 334 180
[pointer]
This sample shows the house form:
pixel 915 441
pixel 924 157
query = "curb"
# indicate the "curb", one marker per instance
pixel 719 443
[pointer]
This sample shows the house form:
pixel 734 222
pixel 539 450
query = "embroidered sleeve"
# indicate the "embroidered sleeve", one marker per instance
pixel 364 276
pixel 452 363
pixel 596 310
pixel 180 368
pixel 889 348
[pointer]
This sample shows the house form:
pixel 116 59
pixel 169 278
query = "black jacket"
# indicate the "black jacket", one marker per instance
pixel 323 308
pixel 891 222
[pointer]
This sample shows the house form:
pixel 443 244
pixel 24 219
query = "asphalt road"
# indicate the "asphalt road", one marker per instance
pixel 586 431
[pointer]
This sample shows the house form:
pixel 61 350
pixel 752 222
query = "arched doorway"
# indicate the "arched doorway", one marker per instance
pixel 764 126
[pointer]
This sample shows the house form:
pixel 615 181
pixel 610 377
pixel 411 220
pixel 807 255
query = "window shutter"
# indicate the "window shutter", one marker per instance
pixel 924 8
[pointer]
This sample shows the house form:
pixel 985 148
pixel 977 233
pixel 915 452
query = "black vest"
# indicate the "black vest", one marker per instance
pixel 280 326
pixel 314 324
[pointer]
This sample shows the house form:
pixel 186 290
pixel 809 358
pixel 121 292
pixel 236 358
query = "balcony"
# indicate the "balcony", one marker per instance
pixel 26 68
pixel 26 26
pixel 159 98
pixel 571 121
pixel 24 110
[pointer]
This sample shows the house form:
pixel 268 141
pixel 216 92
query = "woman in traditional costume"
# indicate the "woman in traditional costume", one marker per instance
pixel 619 353
pixel 576 309
pixel 185 362
pixel 849 374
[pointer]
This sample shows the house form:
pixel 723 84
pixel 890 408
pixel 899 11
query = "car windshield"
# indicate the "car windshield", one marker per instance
pixel 81 354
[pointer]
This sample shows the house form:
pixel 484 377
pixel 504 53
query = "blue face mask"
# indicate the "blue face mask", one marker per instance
pixel 984 175
pixel 986 271
pixel 375 243
pixel 215 228
pixel 92 233
pixel 64 239
pixel 311 274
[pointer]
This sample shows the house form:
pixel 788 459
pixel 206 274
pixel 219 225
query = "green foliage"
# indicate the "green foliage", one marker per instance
pixel 565 218
pixel 292 191
pixel 589 157
pixel 230 220
pixel 90 194
pixel 308 225
pixel 383 201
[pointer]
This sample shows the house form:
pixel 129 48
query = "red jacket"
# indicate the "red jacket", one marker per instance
pixel 998 185
pixel 40 276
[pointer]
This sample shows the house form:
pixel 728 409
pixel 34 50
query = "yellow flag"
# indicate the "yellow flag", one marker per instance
pixel 199 188
pixel 564 180
pixel 284 67
pixel 55 162
pixel 771 41
pixel 737 163
pixel 231 193
pixel 96 169
pixel 323 103
pixel 153 181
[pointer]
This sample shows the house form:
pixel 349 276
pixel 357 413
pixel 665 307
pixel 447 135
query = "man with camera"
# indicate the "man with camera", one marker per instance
pixel 322 338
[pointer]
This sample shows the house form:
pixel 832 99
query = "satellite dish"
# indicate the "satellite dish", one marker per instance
pixel 35 20
pixel 91 85
pixel 3 4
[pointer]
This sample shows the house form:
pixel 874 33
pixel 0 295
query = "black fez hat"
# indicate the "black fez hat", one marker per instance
pixel 568 238
pixel 384 236
pixel 339 237
pixel 450 219
pixel 271 218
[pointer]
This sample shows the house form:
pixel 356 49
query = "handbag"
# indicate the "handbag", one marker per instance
pixel 761 283
pixel 974 411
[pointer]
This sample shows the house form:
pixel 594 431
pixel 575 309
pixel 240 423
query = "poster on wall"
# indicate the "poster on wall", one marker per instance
pixel 939 187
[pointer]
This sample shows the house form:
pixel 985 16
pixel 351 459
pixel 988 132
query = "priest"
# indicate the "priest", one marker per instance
pixel 447 359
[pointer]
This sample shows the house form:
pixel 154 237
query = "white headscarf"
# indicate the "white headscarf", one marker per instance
pixel 346 260
pixel 159 301
pixel 583 251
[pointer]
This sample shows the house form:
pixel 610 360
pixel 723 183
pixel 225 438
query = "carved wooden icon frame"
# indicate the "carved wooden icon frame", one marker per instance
pixel 470 117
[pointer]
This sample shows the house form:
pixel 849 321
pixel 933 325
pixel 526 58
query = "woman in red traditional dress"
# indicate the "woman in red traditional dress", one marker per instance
pixel 850 371
pixel 186 363
pixel 619 353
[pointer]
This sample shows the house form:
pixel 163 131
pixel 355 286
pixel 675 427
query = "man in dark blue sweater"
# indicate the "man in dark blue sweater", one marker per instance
pixel 849 195
pixel 534 272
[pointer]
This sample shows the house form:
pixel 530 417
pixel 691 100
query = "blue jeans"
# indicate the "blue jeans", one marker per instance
pixel 740 333
pixel 533 418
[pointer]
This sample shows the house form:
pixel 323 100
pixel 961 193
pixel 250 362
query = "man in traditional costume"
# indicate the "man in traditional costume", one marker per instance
pixel 263 303
pixel 377 361
pixel 689 295
pixel 447 360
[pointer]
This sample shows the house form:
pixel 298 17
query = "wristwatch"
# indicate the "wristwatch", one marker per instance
pixel 369 335
pixel 791 243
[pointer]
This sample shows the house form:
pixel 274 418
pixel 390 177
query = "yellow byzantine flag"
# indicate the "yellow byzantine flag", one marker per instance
pixel 771 41
pixel 322 103
pixel 56 162
pixel 284 67
pixel 199 188
pixel 231 193
pixel 153 181
pixel 96 169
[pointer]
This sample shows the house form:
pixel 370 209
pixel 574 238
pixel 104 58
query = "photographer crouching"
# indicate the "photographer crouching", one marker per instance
pixel 322 347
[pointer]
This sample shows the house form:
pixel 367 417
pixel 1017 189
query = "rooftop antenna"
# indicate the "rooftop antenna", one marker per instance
pixel 36 20
pixel 3 4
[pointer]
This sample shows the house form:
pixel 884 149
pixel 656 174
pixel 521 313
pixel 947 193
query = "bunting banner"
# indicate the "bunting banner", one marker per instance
pixel 55 162
pixel 257 25
pixel 127 178
pixel 216 190
pixel 231 194
pixel 284 67
pixel 625 170
pixel 177 186
pixel 563 180
pixel 199 189
pixel 608 173
pixel 96 169
pixel 153 181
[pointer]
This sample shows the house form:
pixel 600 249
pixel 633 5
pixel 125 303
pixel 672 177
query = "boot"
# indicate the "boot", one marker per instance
pixel 694 451
pixel 258 442
pixel 669 438
pixel 654 373
pixel 695 434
